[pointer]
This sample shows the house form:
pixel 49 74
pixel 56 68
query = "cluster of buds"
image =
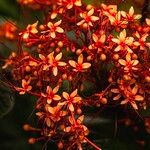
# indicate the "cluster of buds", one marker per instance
pixel 72 45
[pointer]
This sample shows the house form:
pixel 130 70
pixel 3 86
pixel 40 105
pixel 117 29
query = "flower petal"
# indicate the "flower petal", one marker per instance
pixel 135 89
pixel 131 11
pixel 72 63
pixel 94 18
pixel 128 57
pixel 78 3
pixel 58 23
pixel 124 102
pixel 122 62
pixel 59 30
pixel 134 105
pixel 135 62
pixel 74 93
pixel 61 63
pixel 65 95
pixel 90 12
pixel 122 35
pixel 80 59
pixel 48 90
pixel 139 98
pixel 55 90
pixel 52 34
pixel 86 65
pixel 55 71
pixel 118 48
pixel 56 97
pixel 71 107
pixel 58 57
pixel 95 38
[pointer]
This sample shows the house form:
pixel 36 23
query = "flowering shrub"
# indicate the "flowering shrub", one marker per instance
pixel 72 45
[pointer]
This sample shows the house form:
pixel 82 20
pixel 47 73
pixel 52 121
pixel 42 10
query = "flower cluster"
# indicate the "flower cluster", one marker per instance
pixel 72 45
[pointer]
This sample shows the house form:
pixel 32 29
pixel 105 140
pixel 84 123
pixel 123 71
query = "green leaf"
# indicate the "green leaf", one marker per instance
pixel 6 103
pixel 9 8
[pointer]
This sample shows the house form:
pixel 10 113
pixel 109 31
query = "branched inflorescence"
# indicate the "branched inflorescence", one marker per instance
pixel 72 45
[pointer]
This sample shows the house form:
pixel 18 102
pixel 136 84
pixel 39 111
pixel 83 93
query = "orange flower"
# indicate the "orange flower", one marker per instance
pixel 56 112
pixel 31 29
pixel 131 97
pixel 141 41
pixel 79 66
pixel 109 9
pixel 70 100
pixel 9 61
pixel 54 62
pixel 70 3
pixel 123 42
pixel 51 94
pixel 99 41
pixel 116 20
pixel 88 18
pixel 128 63
pixel 51 61
pixel 53 28
pixel 77 125
pixel 147 20
pixel 25 87
pixel 116 91
pixel 130 16
pixel 45 61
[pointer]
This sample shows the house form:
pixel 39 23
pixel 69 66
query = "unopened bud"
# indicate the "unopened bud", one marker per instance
pixel 103 57
pixel 116 57
pixel 79 111
pixel 89 7
pixel 147 78
pixel 32 140
pixel 103 101
pixel 42 27
pixel 78 52
pixel 70 78
pixel 126 77
pixel 60 44
pixel 134 56
pixel 60 145
pixel 27 127
pixel 64 76
pixel 28 68
pixel 85 26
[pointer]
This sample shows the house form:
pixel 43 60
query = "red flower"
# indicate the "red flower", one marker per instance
pixel 79 66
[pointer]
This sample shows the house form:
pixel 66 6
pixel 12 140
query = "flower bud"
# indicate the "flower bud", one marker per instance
pixel 28 68
pixel 32 140
pixel 103 57
pixel 147 78
pixel 27 127
pixel 64 76
pixel 103 101
pixel 79 111
pixel 115 56
pixel 60 44
pixel 89 7
pixel 60 145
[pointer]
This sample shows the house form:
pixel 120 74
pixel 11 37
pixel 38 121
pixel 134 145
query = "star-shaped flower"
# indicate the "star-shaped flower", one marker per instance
pixel 123 42
pixel 79 66
pixel 70 100
pixel 88 18
pixel 51 94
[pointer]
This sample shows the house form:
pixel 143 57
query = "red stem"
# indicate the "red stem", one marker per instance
pixel 92 144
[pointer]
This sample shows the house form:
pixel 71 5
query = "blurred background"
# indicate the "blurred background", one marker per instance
pixel 112 128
